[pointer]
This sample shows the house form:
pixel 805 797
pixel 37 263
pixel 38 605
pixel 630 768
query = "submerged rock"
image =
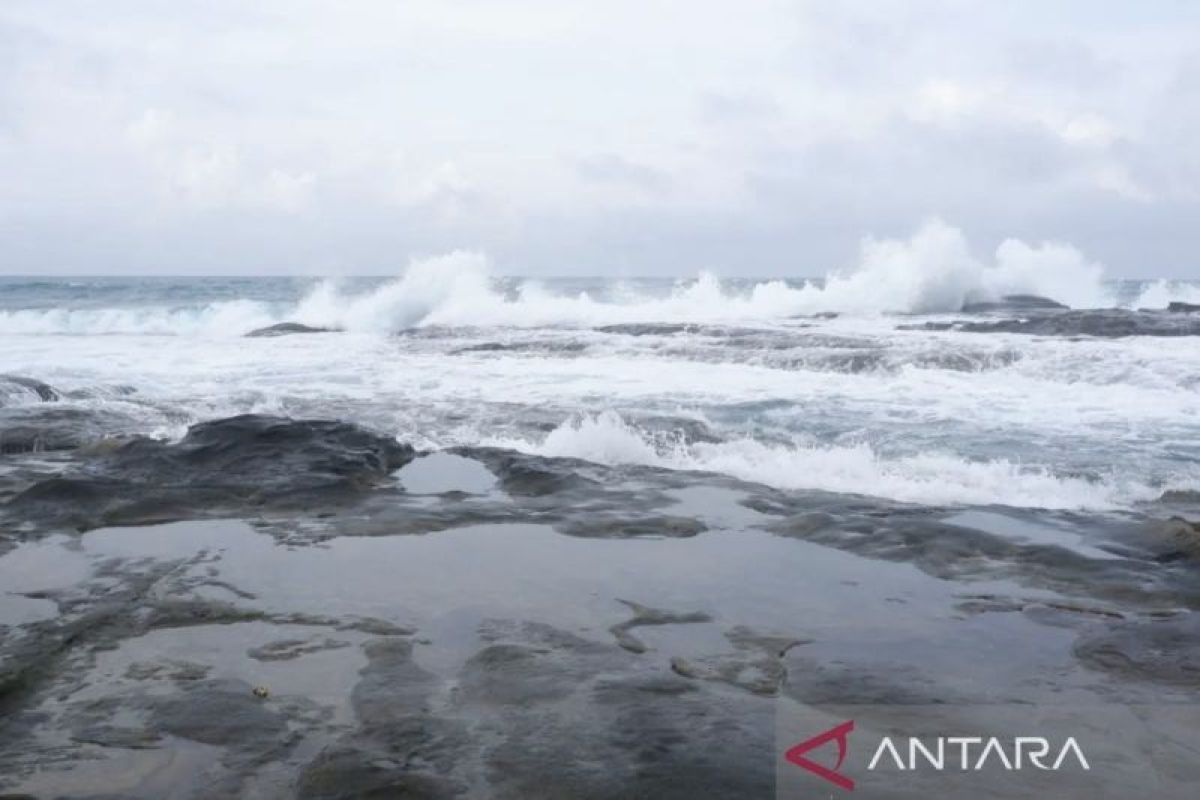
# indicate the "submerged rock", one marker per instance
pixel 286 328
pixel 249 460
pixel 756 665
pixel 644 615
pixel 219 712
pixel 1160 651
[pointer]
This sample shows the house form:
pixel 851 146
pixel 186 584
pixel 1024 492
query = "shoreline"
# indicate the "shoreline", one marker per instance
pixel 473 628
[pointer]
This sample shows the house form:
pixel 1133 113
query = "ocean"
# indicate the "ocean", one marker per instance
pixel 792 383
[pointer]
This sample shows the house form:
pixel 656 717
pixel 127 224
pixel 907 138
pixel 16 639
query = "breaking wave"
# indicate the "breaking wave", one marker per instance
pixel 1160 293
pixel 929 478
pixel 226 318
pixel 933 271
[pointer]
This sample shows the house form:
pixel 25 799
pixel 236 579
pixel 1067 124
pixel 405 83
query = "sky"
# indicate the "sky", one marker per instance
pixel 626 138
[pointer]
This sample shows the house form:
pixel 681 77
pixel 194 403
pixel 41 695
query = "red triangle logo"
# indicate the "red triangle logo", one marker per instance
pixel 838 733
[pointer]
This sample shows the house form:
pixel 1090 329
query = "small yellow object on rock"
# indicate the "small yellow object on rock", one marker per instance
pixel 261 691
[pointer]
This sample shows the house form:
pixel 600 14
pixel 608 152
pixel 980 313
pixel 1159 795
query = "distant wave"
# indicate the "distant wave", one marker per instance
pixel 933 271
pixel 226 318
pixel 932 478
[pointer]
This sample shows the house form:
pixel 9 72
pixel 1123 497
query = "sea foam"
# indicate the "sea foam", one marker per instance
pixel 932 271
pixel 928 478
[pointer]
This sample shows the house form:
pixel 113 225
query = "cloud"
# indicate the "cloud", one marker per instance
pixel 610 168
pixel 622 136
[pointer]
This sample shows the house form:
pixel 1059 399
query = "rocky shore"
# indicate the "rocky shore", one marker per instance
pixel 272 608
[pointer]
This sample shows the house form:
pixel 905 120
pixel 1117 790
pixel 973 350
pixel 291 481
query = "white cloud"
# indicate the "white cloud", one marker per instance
pixel 205 173
pixel 657 135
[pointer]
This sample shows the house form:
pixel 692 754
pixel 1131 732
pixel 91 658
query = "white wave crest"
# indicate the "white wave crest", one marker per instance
pixel 1161 293
pixel 932 478
pixel 227 318
pixel 935 271
pixel 453 286
pixel 932 271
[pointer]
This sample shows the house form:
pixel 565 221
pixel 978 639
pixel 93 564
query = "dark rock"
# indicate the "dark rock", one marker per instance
pixel 1183 308
pixel 525 475
pixel 1102 322
pixel 53 426
pixel 286 328
pixel 221 466
pixel 253 448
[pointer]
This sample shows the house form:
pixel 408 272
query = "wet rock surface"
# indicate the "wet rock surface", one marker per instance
pixel 240 462
pixel 525 626
pixel 1101 322
pixel 642 616
pixel 54 426
pixel 1166 650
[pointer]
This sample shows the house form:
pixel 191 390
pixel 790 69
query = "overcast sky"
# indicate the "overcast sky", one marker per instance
pixel 613 136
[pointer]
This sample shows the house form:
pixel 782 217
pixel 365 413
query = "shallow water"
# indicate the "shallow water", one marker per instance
pixel 172 620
